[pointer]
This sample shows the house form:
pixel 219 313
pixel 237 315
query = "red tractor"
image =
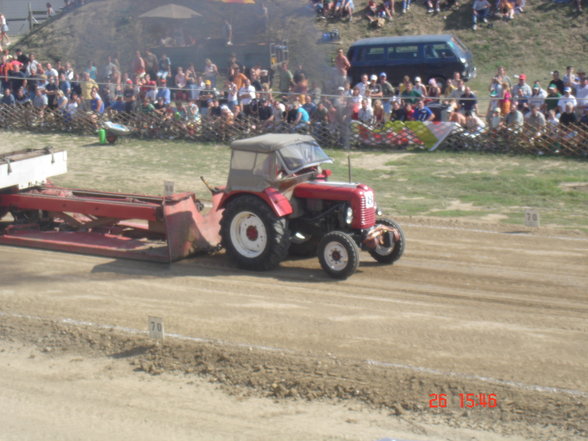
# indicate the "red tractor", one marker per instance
pixel 278 201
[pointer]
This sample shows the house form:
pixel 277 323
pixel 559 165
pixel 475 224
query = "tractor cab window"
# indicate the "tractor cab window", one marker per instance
pixel 242 160
pixel 299 156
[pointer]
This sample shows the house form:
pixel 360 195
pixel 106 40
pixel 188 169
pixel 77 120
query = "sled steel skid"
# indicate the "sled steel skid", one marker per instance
pixel 155 228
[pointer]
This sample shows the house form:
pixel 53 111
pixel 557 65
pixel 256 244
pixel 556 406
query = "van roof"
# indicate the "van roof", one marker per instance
pixel 403 39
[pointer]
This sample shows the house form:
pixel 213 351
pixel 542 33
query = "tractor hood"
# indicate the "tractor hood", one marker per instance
pixel 360 198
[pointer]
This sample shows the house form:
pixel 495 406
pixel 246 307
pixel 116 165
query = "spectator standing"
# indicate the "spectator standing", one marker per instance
pixel 246 96
pixel 151 63
pixel 33 66
pixel 410 95
pixel 92 70
pixel 552 98
pixel 538 95
pixel 433 92
pixel 420 87
pixel 342 65
pixel 228 33
pixel 505 101
pixel 164 92
pixel 374 89
pixel 468 101
pixel 50 71
pixel 87 84
pixel 139 65
pixel 51 90
pixel 521 89
pixel 582 96
pixel 557 81
pixel 302 119
pixel 164 67
pixel 387 93
pixel 210 72
pixel 379 113
pixel 4 31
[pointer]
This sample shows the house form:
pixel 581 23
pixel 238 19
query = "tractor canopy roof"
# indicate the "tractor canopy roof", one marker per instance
pixel 270 142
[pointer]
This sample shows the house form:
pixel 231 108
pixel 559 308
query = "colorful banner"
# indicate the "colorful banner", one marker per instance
pixel 427 134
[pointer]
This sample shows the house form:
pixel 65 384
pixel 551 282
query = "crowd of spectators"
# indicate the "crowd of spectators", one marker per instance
pixel 285 100
pixel 378 12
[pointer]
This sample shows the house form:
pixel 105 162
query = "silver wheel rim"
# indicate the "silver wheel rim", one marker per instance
pixel 336 256
pixel 248 234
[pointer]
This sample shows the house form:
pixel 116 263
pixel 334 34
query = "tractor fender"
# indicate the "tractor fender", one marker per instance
pixel 279 203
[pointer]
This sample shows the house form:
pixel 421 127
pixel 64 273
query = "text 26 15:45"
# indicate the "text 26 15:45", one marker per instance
pixel 465 400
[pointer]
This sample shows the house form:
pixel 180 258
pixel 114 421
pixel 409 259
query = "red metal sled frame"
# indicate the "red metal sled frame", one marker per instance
pixel 161 229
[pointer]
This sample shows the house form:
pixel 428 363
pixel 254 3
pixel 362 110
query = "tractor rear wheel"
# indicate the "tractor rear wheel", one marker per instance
pixel 390 251
pixel 338 254
pixel 254 237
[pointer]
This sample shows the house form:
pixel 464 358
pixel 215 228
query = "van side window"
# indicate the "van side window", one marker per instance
pixel 374 53
pixel 437 50
pixel 404 52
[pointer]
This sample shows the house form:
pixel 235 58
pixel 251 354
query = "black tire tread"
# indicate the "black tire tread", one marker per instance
pixel 352 250
pixel 398 250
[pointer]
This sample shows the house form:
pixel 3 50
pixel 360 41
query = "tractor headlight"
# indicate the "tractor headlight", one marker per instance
pixel 349 216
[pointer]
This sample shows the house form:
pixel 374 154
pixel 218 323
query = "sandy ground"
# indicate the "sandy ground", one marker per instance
pixel 292 354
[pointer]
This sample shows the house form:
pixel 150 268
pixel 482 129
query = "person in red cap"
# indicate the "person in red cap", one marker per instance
pixel 521 90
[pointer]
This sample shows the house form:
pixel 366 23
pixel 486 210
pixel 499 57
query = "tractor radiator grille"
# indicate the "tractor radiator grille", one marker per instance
pixel 367 215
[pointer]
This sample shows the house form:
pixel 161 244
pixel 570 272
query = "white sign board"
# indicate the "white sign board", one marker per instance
pixel 155 326
pixel 168 188
pixel 531 218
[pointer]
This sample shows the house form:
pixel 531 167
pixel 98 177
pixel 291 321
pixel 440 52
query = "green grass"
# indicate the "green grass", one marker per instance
pixel 476 187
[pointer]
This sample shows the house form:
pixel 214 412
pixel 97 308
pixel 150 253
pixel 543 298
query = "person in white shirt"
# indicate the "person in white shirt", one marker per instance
pixel 567 98
pixel 366 113
pixel 582 95
pixel 246 95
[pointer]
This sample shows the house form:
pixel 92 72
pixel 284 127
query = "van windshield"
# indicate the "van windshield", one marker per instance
pixel 457 47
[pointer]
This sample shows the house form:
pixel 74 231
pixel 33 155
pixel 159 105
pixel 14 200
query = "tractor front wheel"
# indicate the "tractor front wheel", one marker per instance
pixel 390 250
pixel 254 237
pixel 338 254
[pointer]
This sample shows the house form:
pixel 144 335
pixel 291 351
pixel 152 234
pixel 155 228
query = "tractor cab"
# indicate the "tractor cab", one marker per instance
pixel 274 160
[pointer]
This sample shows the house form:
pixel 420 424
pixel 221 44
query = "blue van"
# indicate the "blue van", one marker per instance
pixel 427 56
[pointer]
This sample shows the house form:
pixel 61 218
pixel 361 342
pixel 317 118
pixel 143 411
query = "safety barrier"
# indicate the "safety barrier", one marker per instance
pixel 571 140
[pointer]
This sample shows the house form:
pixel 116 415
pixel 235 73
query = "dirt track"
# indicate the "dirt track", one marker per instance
pixel 468 309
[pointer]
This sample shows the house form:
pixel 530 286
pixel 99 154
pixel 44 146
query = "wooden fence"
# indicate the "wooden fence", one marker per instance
pixel 571 141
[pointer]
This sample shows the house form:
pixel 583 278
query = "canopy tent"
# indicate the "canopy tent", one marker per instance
pixel 173 11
